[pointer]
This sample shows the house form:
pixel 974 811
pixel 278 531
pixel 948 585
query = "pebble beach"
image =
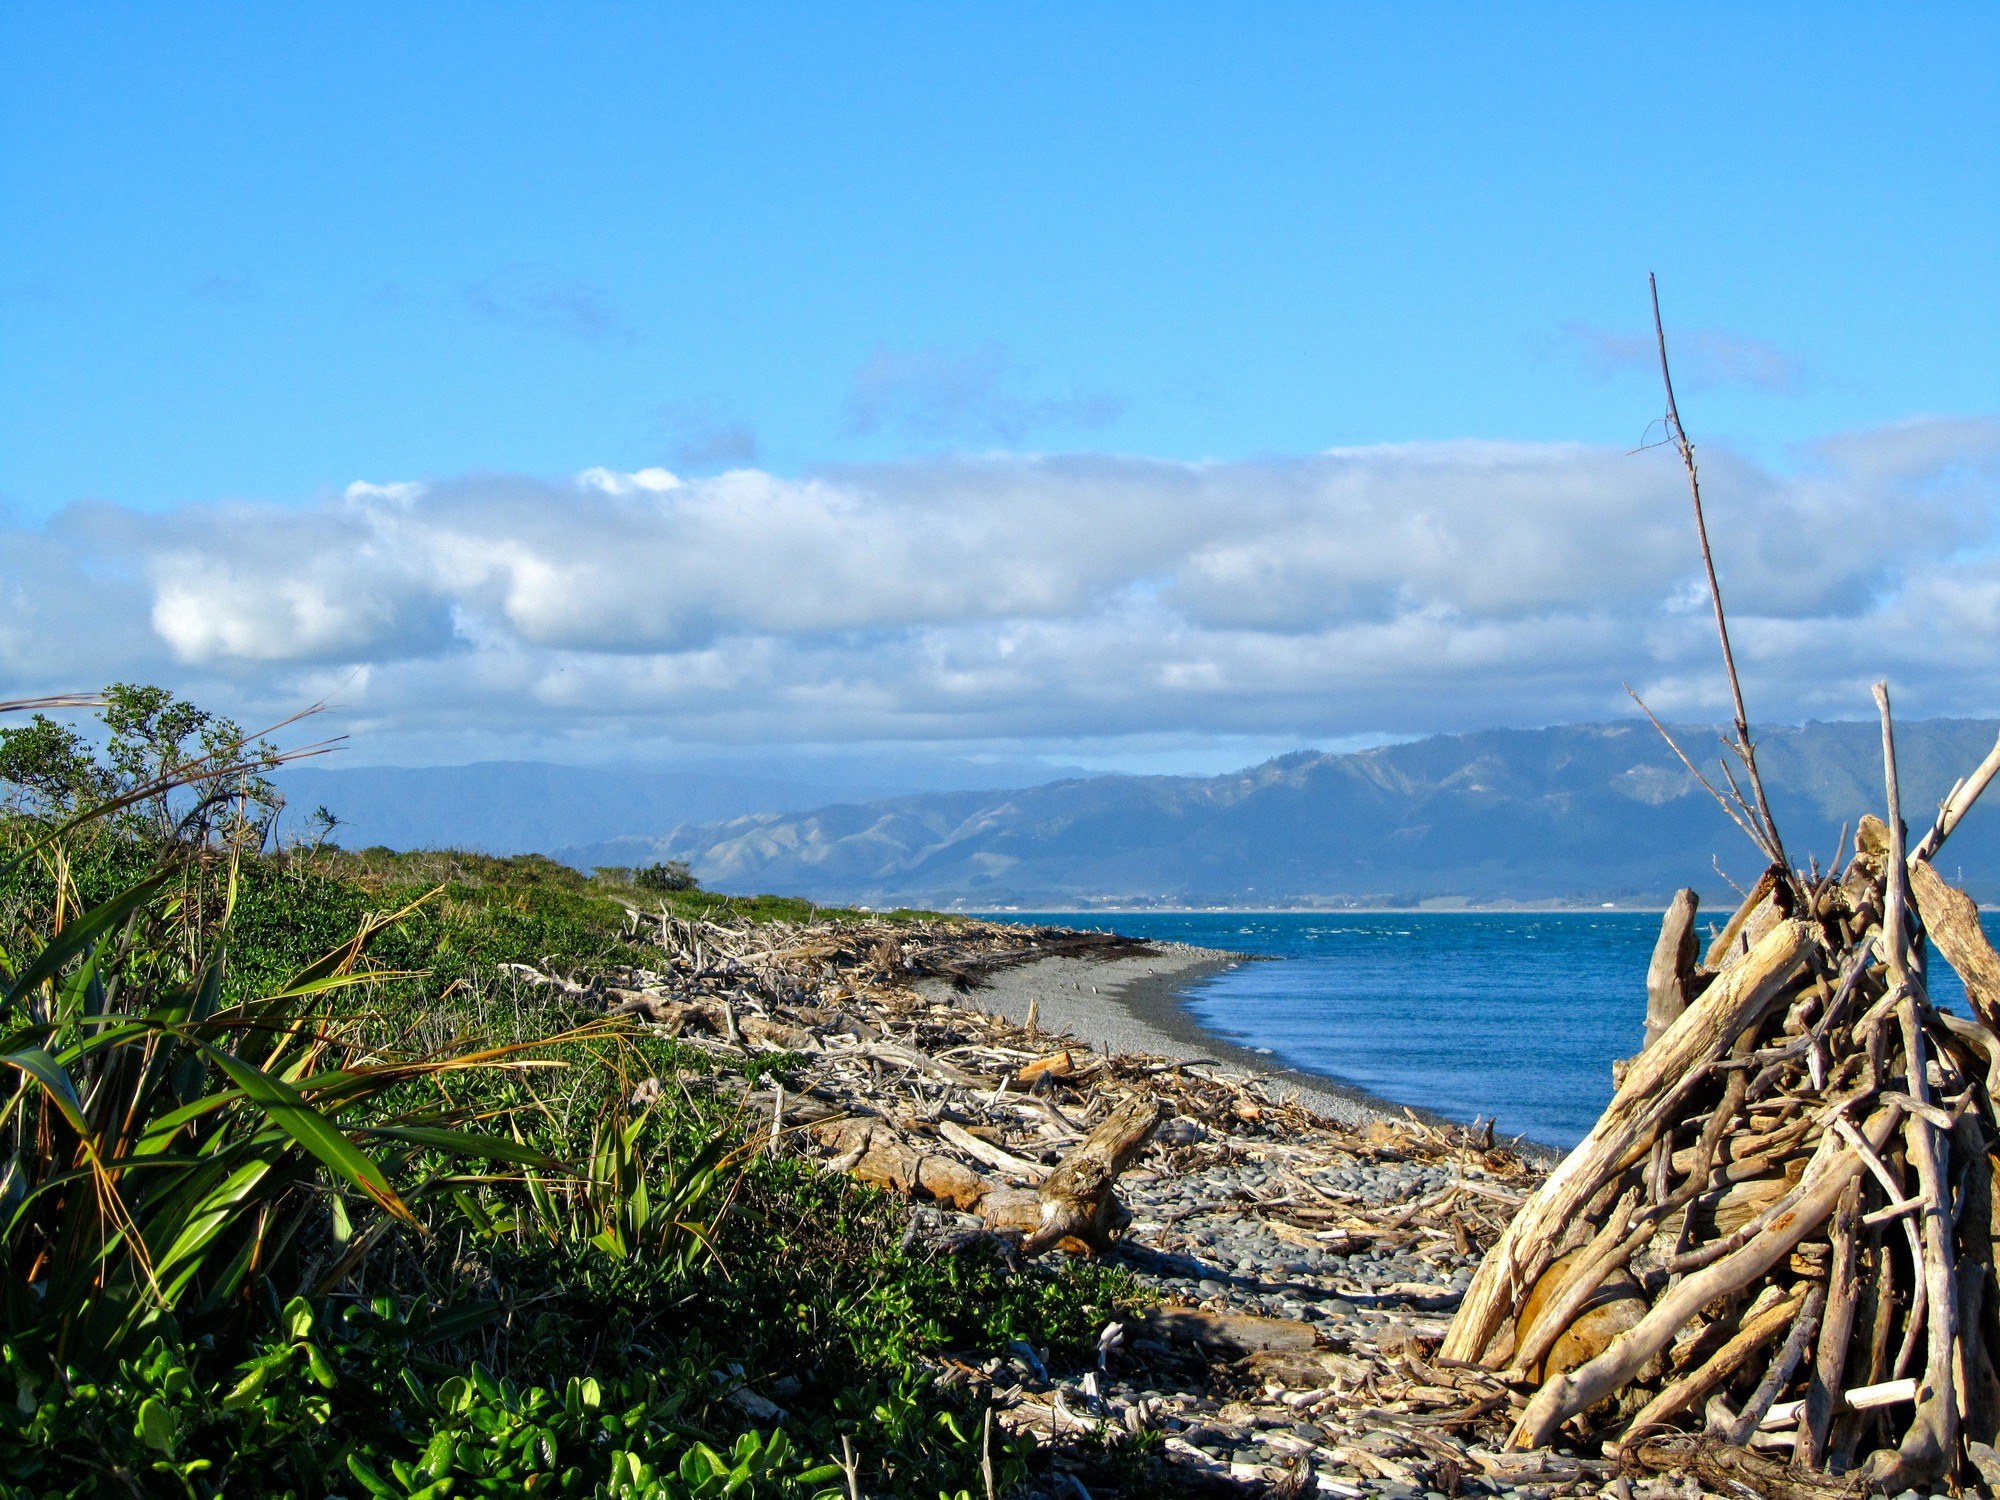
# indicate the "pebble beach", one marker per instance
pixel 1297 1251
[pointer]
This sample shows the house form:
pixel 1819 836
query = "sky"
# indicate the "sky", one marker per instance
pixel 1134 386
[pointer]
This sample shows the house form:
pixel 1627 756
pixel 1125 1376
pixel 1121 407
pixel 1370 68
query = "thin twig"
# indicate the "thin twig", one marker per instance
pixel 1743 746
pixel 1723 802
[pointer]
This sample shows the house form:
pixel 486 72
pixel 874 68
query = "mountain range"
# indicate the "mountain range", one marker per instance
pixel 1577 814
pixel 1571 815
pixel 522 807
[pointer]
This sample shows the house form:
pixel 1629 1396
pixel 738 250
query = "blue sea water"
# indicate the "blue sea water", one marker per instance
pixel 1511 1015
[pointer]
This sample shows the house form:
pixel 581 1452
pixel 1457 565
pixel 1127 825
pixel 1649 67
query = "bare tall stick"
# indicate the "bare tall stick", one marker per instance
pixel 1959 803
pixel 1895 875
pixel 1929 1450
pixel 1743 747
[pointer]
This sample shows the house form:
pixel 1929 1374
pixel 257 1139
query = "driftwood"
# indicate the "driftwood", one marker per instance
pixel 1951 919
pixel 914 1089
pixel 1781 1233
pixel 874 1152
pixel 1075 1207
pixel 1670 978
pixel 1077 1201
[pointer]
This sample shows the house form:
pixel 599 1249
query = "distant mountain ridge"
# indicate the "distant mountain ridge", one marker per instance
pixel 1573 814
pixel 519 807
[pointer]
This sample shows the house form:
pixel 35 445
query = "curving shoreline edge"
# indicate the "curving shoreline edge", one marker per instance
pixel 1138 1004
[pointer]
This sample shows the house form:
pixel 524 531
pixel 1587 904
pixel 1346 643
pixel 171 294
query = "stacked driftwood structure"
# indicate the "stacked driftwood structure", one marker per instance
pixel 1781 1235
pixel 1782 1232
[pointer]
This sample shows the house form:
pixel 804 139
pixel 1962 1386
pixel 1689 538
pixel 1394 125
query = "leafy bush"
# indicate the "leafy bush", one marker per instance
pixel 674 875
pixel 165 1146
pixel 311 1413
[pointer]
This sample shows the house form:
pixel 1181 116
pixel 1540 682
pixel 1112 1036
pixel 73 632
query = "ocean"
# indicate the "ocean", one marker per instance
pixel 1511 1015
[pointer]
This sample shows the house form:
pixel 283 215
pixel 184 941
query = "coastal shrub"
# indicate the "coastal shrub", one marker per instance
pixel 673 875
pixel 311 1413
pixel 166 766
pixel 165 1144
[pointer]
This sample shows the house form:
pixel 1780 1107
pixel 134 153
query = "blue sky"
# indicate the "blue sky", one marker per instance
pixel 257 251
pixel 254 255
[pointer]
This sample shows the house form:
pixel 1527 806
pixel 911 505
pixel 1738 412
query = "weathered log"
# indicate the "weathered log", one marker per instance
pixel 1951 918
pixel 1736 939
pixel 873 1151
pixel 1959 803
pixel 1671 972
pixel 1658 1080
pixel 1582 1301
pixel 1836 1329
pixel 1077 1199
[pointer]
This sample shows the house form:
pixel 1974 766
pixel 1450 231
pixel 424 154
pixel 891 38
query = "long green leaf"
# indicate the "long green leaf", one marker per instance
pixel 55 1082
pixel 284 1107
pixel 462 1143
pixel 182 1259
pixel 81 934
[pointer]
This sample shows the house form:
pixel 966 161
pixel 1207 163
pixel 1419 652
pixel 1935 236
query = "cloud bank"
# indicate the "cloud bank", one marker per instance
pixel 1396 589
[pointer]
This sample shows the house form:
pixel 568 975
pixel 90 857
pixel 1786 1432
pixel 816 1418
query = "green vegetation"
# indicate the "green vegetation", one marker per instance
pixel 674 875
pixel 303 1193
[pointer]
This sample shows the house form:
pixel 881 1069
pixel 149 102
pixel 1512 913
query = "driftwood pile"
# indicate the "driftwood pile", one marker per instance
pixel 1773 1257
pixel 905 1095
pixel 944 1103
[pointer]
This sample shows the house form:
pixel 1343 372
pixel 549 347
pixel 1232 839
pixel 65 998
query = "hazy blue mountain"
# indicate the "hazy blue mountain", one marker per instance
pixel 1576 814
pixel 516 807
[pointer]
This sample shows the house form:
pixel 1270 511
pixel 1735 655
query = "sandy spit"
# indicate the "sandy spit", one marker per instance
pixel 1134 1005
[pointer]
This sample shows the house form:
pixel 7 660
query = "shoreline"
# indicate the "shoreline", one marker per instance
pixel 1455 909
pixel 1137 1005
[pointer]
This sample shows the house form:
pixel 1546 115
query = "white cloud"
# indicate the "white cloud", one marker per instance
pixel 1370 590
pixel 611 482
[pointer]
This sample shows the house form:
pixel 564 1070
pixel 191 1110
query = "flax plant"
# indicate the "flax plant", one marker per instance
pixel 170 1157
